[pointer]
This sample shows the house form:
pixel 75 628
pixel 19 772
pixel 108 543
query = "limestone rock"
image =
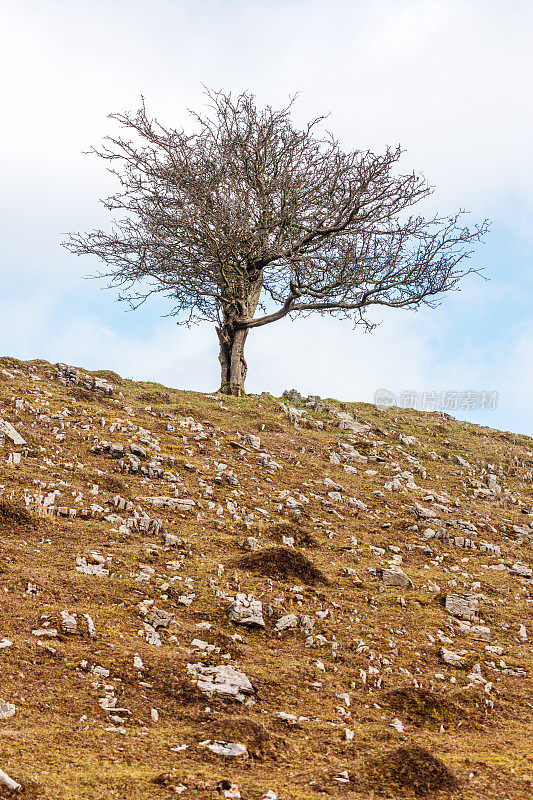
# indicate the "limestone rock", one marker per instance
pixel 13 435
pixel 224 680
pixel 137 450
pixel 226 749
pixel 452 659
pixel 292 396
pixel 246 611
pixel 465 607
pixel 7 710
pixel 396 577
pixel 68 623
pixel 158 618
pixel 286 623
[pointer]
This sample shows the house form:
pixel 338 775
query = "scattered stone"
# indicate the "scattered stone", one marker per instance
pixel 158 618
pixel 68 622
pixel 8 431
pixel 151 635
pixel 137 450
pixel 8 782
pixel 522 570
pixel 292 395
pixel 90 569
pixel 290 719
pixel 228 790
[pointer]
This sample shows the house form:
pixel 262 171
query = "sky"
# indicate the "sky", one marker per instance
pixel 448 80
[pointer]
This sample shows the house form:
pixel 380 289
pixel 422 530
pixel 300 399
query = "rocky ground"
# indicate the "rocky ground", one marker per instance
pixel 258 598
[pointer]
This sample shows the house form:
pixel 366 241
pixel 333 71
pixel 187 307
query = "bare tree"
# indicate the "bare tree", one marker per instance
pixel 247 220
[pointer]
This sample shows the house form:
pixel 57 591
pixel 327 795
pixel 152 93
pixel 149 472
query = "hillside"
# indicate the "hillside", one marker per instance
pixel 258 598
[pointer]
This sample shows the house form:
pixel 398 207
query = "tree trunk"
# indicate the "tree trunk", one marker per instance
pixel 238 368
pixel 233 367
pixel 224 356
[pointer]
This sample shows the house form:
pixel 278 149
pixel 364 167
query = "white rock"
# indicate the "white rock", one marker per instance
pixel 396 577
pixel 522 570
pixel 226 749
pixel 286 623
pixel 6 710
pixel 246 611
pixel 90 569
pixel 291 719
pixel 224 680
pixel 151 635
pixel 8 782
pixel 8 430
pixel 465 607
pixel 451 658
pixel 68 623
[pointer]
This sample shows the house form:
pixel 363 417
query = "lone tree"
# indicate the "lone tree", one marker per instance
pixel 248 220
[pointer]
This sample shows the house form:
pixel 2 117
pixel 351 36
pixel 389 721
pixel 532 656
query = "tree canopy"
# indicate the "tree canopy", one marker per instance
pixel 247 219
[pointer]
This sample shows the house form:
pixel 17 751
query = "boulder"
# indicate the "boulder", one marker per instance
pixel 464 607
pixel 286 623
pixel 224 680
pixel 246 611
pixel 11 433
pixel 396 577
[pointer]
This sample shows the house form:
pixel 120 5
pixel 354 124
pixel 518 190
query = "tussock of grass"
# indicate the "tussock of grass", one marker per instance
pixel 15 514
pixel 425 705
pixel 154 398
pixel 412 768
pixel 301 536
pixel 112 484
pixel 282 562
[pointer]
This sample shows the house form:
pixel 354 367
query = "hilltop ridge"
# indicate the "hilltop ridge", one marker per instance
pixel 259 597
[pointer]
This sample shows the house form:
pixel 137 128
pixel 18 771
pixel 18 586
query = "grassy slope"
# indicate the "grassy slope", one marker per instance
pixel 57 744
